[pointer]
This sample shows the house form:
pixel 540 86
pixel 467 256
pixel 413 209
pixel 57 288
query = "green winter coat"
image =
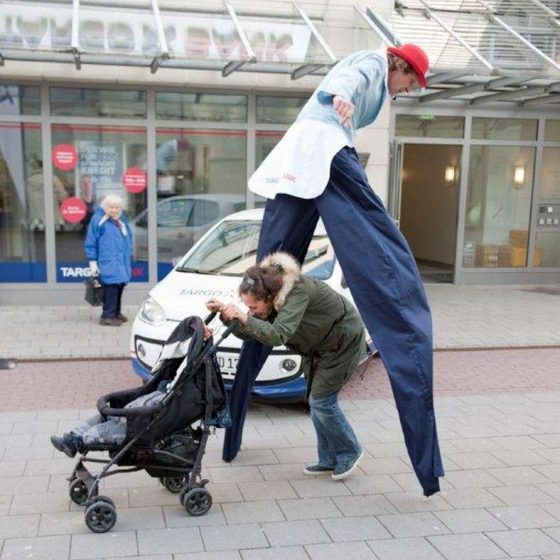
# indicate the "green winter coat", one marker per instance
pixel 314 321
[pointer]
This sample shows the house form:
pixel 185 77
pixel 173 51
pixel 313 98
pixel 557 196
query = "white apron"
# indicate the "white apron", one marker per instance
pixel 300 163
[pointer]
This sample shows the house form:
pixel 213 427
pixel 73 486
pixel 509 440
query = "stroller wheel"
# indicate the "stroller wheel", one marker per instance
pixel 101 516
pixel 78 491
pixel 101 499
pixel 174 483
pixel 197 501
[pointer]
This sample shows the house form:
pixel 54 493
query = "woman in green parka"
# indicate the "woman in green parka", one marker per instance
pixel 310 318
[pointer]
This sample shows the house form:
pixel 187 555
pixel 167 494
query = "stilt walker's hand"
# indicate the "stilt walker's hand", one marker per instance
pixel 345 110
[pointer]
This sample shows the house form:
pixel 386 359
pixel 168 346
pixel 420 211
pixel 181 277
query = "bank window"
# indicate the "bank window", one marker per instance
pixel 22 204
pixel 498 207
pixel 19 100
pixel 266 140
pixel 429 126
pixel 279 110
pixel 547 249
pixel 201 177
pixel 201 107
pixel 504 129
pixel 550 173
pixel 81 102
pixel 90 162
pixel 552 131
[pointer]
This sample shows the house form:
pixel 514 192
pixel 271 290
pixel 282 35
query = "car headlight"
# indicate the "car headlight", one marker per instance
pixel 152 312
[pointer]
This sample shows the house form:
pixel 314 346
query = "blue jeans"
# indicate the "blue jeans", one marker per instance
pixel 336 441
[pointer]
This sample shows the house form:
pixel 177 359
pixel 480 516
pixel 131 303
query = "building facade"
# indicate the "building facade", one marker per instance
pixel 173 107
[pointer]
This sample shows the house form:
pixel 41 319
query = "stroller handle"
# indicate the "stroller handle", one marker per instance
pixel 223 336
pixel 229 330
pixel 210 318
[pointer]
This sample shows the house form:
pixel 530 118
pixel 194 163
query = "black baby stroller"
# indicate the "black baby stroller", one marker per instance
pixel 161 438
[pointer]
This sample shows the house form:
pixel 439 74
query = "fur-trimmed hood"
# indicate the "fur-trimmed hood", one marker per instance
pixel 291 271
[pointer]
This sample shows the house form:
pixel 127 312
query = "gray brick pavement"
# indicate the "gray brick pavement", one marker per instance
pixel 500 498
pixel 265 509
pixel 464 317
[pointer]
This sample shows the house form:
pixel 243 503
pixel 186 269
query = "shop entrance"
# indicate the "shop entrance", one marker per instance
pixel 425 200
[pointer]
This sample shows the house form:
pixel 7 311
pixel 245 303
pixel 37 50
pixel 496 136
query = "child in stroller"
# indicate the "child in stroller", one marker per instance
pixel 152 427
pixel 95 430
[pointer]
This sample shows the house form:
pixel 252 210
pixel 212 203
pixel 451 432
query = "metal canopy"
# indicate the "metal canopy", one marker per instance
pixel 518 40
pixel 482 51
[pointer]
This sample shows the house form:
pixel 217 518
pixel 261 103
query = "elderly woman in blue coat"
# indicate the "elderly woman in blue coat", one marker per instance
pixel 108 247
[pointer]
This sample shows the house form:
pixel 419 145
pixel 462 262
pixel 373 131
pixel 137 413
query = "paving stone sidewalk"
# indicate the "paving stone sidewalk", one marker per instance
pixel 464 317
pixel 500 498
pixel 499 427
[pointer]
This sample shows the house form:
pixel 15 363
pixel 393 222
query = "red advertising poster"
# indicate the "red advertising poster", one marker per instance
pixel 64 157
pixel 135 180
pixel 73 209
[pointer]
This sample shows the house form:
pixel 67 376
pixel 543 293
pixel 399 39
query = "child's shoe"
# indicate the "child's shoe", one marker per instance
pixel 67 444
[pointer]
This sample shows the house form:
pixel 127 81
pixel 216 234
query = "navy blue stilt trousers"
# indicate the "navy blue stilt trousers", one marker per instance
pixel 387 289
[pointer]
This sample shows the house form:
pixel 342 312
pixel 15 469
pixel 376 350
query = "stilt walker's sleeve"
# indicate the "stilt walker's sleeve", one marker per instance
pixel 349 80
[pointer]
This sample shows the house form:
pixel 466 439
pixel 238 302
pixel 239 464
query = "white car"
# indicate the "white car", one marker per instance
pixel 213 269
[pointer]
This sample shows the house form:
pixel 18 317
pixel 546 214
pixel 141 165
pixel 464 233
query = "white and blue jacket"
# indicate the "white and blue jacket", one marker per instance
pixel 300 163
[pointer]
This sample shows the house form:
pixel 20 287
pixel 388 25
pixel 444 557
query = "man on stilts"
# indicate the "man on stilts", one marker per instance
pixel 314 172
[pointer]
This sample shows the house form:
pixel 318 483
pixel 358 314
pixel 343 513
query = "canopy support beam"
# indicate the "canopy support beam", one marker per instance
pixel 305 69
pixel 234 65
pixel 378 31
pixel 384 27
pixel 552 98
pixel 472 88
pixel 164 50
pixel 550 13
pixel 231 67
pixel 316 33
pixel 508 95
pixel 519 37
pixel 443 77
pixel 75 44
pixel 458 38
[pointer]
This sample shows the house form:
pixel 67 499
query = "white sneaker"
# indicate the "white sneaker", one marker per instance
pixel 342 471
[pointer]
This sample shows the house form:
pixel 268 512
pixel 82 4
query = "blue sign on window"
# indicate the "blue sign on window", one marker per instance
pixel 34 272
pixel 68 272
pixel 163 269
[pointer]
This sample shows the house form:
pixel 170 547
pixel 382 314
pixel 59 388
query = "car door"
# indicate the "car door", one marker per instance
pixel 204 215
pixel 172 222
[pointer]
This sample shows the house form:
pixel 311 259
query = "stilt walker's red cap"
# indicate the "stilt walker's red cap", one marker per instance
pixel 416 58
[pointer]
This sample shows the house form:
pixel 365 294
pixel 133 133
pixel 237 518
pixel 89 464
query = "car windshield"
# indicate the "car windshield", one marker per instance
pixel 231 248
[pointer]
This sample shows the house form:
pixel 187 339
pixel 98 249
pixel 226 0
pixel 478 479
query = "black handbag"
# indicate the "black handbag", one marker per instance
pixel 94 291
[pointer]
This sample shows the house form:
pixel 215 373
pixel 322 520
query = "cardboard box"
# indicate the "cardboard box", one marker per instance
pixel 519 238
pixel 504 255
pixel 486 256
pixel 519 256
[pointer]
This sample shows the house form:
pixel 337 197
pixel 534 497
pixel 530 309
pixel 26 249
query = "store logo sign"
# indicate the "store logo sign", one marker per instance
pixel 75 272
pixel 130 32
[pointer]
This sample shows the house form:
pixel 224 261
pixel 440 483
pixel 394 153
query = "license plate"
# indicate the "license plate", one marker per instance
pixel 227 363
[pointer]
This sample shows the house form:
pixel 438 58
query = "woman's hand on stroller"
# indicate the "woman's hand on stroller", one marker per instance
pixel 214 306
pixel 208 332
pixel 231 312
